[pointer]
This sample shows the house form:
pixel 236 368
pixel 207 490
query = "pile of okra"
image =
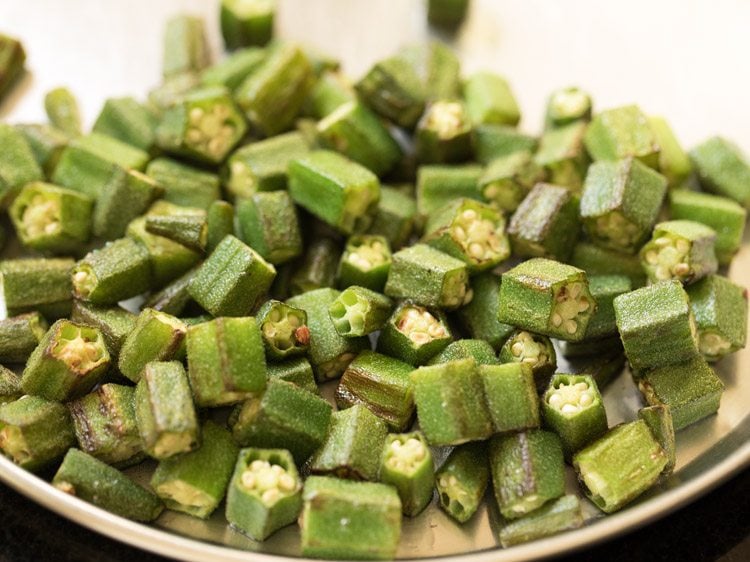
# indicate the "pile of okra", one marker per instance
pixel 278 227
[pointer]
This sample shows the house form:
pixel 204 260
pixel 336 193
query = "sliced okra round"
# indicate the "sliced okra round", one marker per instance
pixel 567 105
pixel 407 465
pixel 366 262
pixel 443 134
pixel 681 250
pixel 358 311
pixel 535 350
pixel 284 329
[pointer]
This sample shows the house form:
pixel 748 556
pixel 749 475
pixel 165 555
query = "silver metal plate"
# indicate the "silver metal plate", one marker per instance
pixel 679 61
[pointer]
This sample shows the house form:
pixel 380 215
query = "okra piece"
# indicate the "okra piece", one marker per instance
pixel 246 22
pixel 358 311
pixel 622 132
pixel 603 368
pixel 232 71
pixel 117 271
pixel 12 59
pixel 726 217
pixel 262 165
pixel 94 156
pixel 272 95
pixel 19 336
pixel 534 350
pixel 189 230
pixel 125 196
pixel 595 260
pixel 381 384
pixel 357 133
pixel 70 359
pixel 589 347
pixel 619 466
pixel 479 317
pixel 447 13
pixel 563 514
pixel 444 133
pixel 414 334
pixel 656 325
pixel 232 280
pixel 184 185
pixel 406 464
pixel 10 386
pixel 89 479
pixel 659 421
pixel 17 163
pixel 331 90
pixel 157 336
pixel 220 219
pixel 478 350
pixel 438 185
pixel 35 432
pixel 509 178
pixel 129 121
pixel 395 217
pixel 337 190
pixel 330 353
pixel 365 262
pixel 690 389
pixel 226 362
pixel 204 126
pixel 681 250
pixel 566 106
pixel 51 219
pixel 164 410
pixel 723 169
pixel 450 402
pixel 720 310
pixel 196 482
pixel 185 46
pixel 46 143
pixel 268 223
pixel 674 163
pixel 546 223
pixel 62 110
pixel 297 371
pixel 284 416
pixel 105 425
pixel 353 446
pixel 489 99
pixel 440 70
pixel 604 289
pixel 36 284
pixel 317 269
pixel 115 323
pixel 620 203
pixel 563 156
pixel 172 90
pixel 494 141
pixel 462 480
pixel 511 396
pixel 527 471
pixel 284 330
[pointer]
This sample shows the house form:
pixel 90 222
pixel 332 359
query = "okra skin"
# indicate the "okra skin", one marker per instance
pixel 479 316
pixel 69 360
pixel 604 289
pixel 414 334
pixel 527 471
pixel 723 169
pixel 489 99
pixel 156 336
pixel 246 23
pixel 114 323
pixel 595 260
pixel 36 284
pixel 365 262
pixel 185 46
pixel 478 350
pixel 296 371
pixel 508 179
pixel 232 70
pixel 17 164
pixel 274 498
pixel 536 350
pixel 184 185
pixel 493 141
pixel 232 280
pixel 46 143
pixel 720 310
pixel 62 110
pixel 35 432
pixel 619 466
pixel 566 106
pixel 345 519
pixel 129 121
pixel 93 481
pixel 284 330
pixel 10 386
pixel 164 410
pixel 196 482
pixel 622 132
pixel 19 336
pixel 406 463
pixel 226 361
pixel 555 517
pixel 395 217
pixel 462 480
pixel 511 396
pixel 680 249
pixel 123 198
pixel 13 58
pixel 358 311
pixel 189 230
pixel 438 185
pixel 220 223
pixel 659 421
pixel 268 223
pixel 331 90
pixel 674 163
pixel 563 156
pixel 444 133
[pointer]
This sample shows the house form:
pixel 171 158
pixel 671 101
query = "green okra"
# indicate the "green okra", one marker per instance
pixel 674 163
pixel 573 408
pixel 479 316
pixel 268 223
pixel 17 163
pixel 114 323
pixel 595 260
pixel 620 203
pixel 690 389
pixel 365 262
pixel 353 446
pixel 330 353
pixel 478 350
pixel 619 466
pixel 156 336
pixel 604 289
pixel 35 432
pixel 337 190
pixel 395 217
pixel 117 271
pixel 185 46
pixel 450 403
pixel 441 70
pixel 509 178
pixel 164 410
pixel 220 223
pixel 557 516
pixel 527 471
pixel 10 386
pixel 546 223
pixel 358 311
pixel 232 280
pixel 447 13
pixel 563 156
pixel 331 90
pixel 183 184
pixel 566 106
pixel 36 284
pixel 659 421
pixel 246 22
pixel 284 330
pixel 232 70
pixel 623 132
pixel 720 310
pixel 189 230
pixel 284 416
pixel 105 425
pixel 226 362
pixel 414 334
pixel 494 141
pixel 726 217
pixel 129 121
pixel 46 143
pixel 406 464
pixel 357 133
pixel 89 479
pixel 656 325
pixel 536 350
pixel 12 59
pixel 681 250
pixel 106 149
pixel 124 197
pixel 462 480
pixel 273 94
pixel 588 347
pixel 511 396
pixel 196 482
pixel 70 359
pixel 297 371
pixel 345 519
pixel 489 99
pixel 381 384
pixel 265 493
pixel 172 90
pixel 317 270
pixel 438 185
pixel 19 336
pixel 723 169
pixel 62 110
pixel 444 133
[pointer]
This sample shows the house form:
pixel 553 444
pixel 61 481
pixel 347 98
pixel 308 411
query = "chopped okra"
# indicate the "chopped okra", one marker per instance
pixel 393 90
pixel 563 156
pixel 681 250
pixel 462 480
pixel 438 185
pixel 560 515
pixel 659 421
pixel 12 58
pixel 443 134
pixel 534 350
pixel 621 133
pixel 366 262
pixel 489 99
pixel 284 329
pixel 723 169
pixel 406 464
pixel 19 336
pixel 247 22
pixel 268 222
pixel 414 334
pixel 511 396
pixel 358 311
pixel 568 105
pixel 478 350
pixel 508 179
pixel 493 141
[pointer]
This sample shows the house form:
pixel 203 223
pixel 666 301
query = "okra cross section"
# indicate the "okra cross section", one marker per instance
pixel 358 311
pixel 443 133
pixel 508 179
pixel 462 480
pixel 547 297
pixel 567 105
pixel 534 350
pixel 366 262
pixel 680 249
pixel 563 156
pixel 414 334
pixel 284 329
pixel 406 464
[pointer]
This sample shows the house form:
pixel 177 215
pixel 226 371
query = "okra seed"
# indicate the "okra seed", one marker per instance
pixel 713 345
pixel 287 482
pixel 248 479
pixel 270 496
